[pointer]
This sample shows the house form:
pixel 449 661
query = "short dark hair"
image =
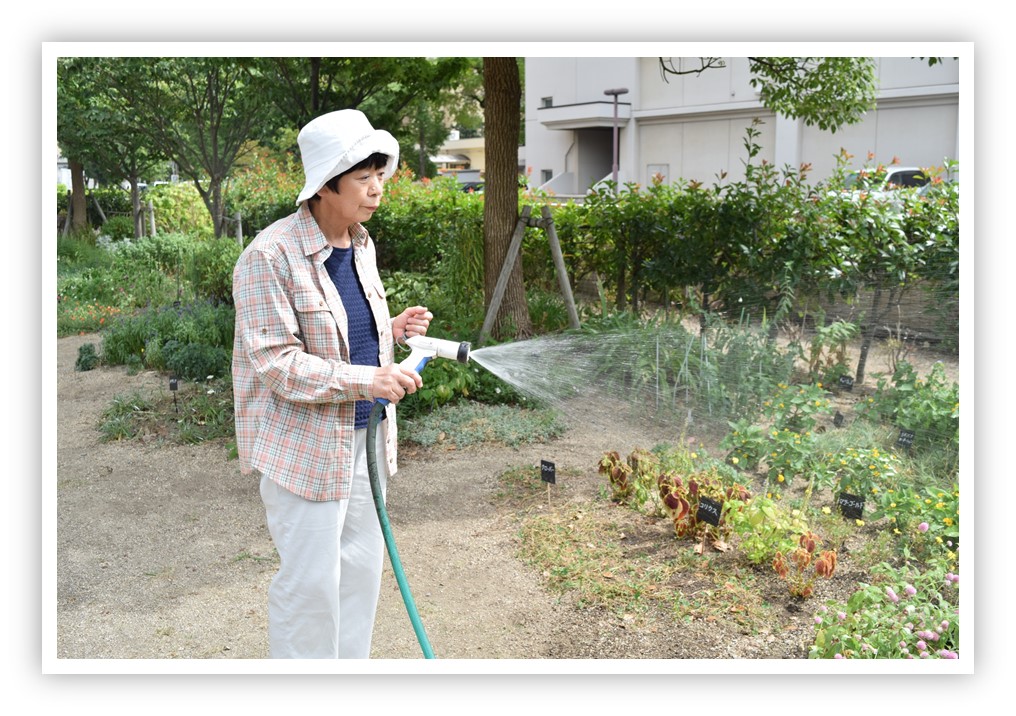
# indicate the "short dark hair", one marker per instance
pixel 374 161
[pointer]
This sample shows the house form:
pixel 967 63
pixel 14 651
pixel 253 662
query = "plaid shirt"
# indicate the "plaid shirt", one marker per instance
pixel 293 386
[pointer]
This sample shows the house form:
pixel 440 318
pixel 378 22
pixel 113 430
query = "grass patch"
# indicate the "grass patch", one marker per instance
pixel 469 423
pixel 194 413
pixel 609 557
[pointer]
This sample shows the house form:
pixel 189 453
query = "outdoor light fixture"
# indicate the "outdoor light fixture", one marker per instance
pixel 615 93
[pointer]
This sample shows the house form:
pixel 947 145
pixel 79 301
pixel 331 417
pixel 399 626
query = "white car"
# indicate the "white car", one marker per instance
pixel 895 178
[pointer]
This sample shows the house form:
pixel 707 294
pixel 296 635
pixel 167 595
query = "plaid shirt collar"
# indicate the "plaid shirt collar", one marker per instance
pixel 312 241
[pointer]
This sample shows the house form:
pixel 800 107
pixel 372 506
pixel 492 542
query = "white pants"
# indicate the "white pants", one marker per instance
pixel 322 601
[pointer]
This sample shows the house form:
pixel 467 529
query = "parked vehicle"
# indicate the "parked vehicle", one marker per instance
pixel 894 178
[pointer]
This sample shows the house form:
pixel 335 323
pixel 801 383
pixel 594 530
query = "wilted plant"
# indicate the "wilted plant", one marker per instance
pixel 682 497
pixel 632 480
pixel 619 474
pixel 801 566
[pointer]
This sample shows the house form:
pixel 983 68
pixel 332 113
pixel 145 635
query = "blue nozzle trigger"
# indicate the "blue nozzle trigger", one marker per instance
pixel 423 362
pixel 419 369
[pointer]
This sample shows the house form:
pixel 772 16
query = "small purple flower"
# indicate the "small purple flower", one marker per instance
pixel 892 595
pixel 946 654
pixel 923 527
pixel 924 655
pixel 910 590
pixel 818 620
pixel 903 645
pixel 921 645
pixel 842 616
pixel 838 656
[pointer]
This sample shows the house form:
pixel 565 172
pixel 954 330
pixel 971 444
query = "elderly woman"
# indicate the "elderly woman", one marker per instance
pixel 314 347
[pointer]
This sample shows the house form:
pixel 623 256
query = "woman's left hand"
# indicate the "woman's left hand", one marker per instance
pixel 414 321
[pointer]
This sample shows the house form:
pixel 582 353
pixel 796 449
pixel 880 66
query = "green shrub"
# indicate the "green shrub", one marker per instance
pixel 927 405
pixel 88 358
pixel 118 228
pixel 179 209
pixel 195 361
pixel 144 335
pixel 210 270
pixel 264 190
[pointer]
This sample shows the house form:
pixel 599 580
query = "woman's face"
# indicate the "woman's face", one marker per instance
pixel 358 197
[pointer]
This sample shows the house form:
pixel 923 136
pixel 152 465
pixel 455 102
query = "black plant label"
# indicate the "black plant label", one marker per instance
pixel 548 472
pixel 709 511
pixel 906 438
pixel 851 506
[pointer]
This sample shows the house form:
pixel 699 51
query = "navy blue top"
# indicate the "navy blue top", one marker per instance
pixel 363 340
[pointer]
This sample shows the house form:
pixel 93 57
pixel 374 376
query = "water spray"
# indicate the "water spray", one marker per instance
pixel 422 350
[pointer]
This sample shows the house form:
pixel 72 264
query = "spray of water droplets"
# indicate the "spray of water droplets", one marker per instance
pixel 600 379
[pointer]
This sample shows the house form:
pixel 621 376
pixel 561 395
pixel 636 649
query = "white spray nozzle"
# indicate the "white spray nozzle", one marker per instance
pixel 424 348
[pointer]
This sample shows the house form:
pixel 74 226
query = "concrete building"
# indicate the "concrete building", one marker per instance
pixel 693 127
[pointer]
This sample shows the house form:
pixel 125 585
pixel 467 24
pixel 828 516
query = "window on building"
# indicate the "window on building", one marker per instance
pixel 546 175
pixel 546 101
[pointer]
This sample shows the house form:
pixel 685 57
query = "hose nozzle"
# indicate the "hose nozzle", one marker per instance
pixel 424 348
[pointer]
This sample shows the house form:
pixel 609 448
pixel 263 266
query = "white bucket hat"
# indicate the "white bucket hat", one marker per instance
pixel 338 141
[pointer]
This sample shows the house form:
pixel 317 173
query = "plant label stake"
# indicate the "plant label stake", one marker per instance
pixel 548 473
pixel 851 506
pixel 906 438
pixel 838 419
pixel 709 511
pixel 172 387
pixel 846 383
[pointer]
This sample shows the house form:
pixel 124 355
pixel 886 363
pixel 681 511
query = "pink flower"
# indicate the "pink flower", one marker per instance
pixel 842 615
pixel 838 656
pixel 910 590
pixel 892 595
pixel 944 625
pixel 923 527
pixel 921 645
pixel 946 654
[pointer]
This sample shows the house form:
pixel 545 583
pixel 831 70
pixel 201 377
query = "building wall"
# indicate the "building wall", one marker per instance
pixel 693 127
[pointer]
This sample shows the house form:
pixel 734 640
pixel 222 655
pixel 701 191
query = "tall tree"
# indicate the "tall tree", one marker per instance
pixel 93 129
pixel 200 111
pixel 502 99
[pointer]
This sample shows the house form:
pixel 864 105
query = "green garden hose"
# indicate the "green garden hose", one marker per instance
pixel 386 529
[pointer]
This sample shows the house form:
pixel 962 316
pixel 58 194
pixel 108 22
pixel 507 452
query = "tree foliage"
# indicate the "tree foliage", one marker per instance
pixel 829 92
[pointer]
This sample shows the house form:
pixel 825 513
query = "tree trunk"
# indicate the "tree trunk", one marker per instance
pixel 503 95
pixel 79 204
pixel 877 317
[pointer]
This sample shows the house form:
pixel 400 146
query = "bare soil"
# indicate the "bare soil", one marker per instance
pixel 163 553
